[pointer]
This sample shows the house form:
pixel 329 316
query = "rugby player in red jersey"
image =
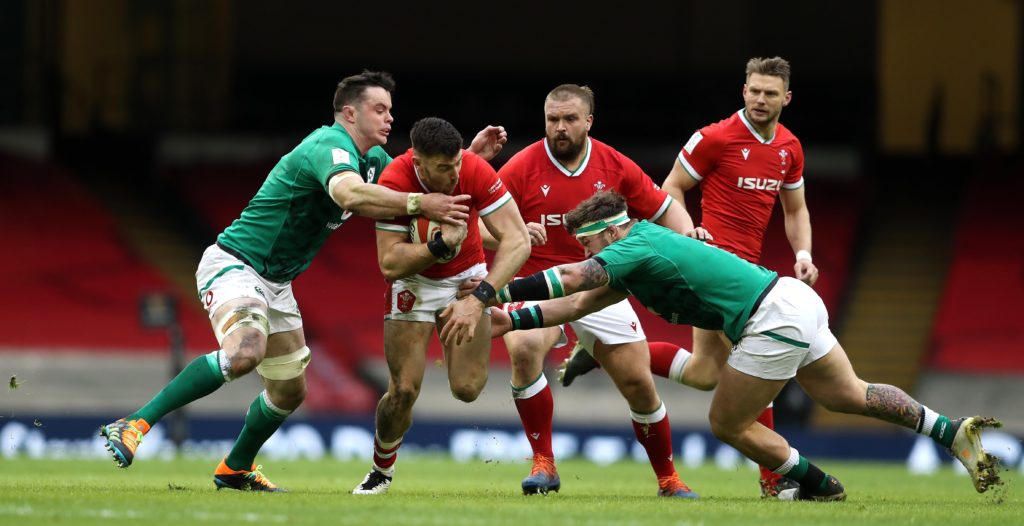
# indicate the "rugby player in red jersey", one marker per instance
pixel 548 179
pixel 424 275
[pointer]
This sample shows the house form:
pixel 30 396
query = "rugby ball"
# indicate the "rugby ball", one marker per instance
pixel 422 229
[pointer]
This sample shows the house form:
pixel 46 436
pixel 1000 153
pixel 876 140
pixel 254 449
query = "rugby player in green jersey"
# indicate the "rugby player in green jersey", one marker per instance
pixel 778 328
pixel 244 279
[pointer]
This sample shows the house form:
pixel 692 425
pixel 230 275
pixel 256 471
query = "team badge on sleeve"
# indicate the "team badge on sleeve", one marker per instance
pixel 339 156
pixel 693 142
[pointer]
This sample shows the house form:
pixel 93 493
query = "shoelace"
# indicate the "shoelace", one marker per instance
pixel 257 476
pixel 127 434
pixel 543 464
pixel 672 484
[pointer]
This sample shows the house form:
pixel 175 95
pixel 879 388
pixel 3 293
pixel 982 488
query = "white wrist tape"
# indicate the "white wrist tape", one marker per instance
pixel 803 254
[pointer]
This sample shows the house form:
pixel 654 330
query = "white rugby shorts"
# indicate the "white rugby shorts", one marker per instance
pixel 611 325
pixel 417 298
pixel 788 331
pixel 222 277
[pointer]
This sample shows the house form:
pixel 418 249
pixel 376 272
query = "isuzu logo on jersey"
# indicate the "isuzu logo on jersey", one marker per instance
pixel 552 219
pixel 757 183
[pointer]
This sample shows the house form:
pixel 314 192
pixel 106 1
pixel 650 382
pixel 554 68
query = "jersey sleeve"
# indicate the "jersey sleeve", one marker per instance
pixel 795 176
pixel 644 198
pixel 510 178
pixel 700 154
pixel 488 190
pixel 393 178
pixel 622 258
pixel 330 160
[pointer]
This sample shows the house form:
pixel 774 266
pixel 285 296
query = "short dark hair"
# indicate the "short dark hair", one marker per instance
pixel 601 205
pixel 566 91
pixel 433 136
pixel 351 89
pixel 772 67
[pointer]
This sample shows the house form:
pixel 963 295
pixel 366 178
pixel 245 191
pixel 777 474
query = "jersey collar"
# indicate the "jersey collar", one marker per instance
pixel 753 131
pixel 339 127
pixel 562 168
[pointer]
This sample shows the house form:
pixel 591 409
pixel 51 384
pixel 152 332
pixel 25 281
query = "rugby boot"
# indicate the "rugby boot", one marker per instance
pixel 375 483
pixel 671 486
pixel 242 480
pixel 578 363
pixel 543 476
pixel 123 438
pixel 967 448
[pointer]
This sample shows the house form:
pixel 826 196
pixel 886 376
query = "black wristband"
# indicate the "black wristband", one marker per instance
pixel 485 293
pixel 526 319
pixel 437 247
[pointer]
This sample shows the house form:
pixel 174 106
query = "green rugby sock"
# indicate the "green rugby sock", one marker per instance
pixel 199 378
pixel 937 426
pixel 260 422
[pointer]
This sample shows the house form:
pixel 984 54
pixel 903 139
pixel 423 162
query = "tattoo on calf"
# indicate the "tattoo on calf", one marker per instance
pixel 891 404
pixel 594 275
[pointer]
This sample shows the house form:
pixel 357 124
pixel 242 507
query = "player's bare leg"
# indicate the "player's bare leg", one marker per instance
pixel 283 372
pixel 532 396
pixel 628 365
pixel 468 362
pixel 737 402
pixel 832 382
pixel 405 347
pixel 242 349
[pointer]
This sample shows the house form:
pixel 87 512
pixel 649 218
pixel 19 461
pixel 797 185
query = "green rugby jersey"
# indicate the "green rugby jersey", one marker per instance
pixel 684 281
pixel 290 217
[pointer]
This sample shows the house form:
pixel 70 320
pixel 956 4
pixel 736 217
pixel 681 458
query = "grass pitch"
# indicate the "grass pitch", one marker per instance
pixel 435 490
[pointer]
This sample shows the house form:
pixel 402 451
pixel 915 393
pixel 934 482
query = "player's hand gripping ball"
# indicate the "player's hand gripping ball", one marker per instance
pixel 422 230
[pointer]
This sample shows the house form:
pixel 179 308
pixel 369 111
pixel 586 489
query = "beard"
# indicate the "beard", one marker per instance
pixel 565 152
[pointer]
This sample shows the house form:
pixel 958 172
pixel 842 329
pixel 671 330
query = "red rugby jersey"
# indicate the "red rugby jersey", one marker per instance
pixel 545 191
pixel 476 178
pixel 740 175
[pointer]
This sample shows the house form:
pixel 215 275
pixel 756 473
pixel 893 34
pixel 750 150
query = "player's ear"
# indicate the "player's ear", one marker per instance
pixel 787 98
pixel 590 121
pixel 348 113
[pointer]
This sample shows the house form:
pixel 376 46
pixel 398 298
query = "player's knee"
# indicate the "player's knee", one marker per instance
pixel 247 354
pixel 404 394
pixel 525 359
pixel 723 429
pixel 466 391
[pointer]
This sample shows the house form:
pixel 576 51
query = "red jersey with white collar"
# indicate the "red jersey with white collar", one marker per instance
pixel 476 178
pixel 740 175
pixel 545 191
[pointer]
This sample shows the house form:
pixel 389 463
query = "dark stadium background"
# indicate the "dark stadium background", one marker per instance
pixel 132 132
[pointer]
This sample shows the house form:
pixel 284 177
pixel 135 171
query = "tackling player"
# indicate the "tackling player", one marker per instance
pixel 779 328
pixel 244 280
pixel 423 278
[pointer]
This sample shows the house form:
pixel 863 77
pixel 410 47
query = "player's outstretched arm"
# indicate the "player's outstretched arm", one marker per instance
pixel 555 282
pixel 350 192
pixel 554 312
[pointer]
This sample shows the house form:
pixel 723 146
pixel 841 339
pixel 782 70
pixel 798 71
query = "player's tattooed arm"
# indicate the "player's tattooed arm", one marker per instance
pixel 585 275
pixel 891 404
